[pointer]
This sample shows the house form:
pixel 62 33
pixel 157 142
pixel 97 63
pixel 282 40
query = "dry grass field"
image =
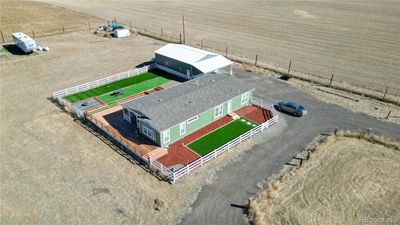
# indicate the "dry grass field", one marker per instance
pixel 349 181
pixel 358 41
pixel 52 170
pixel 42 19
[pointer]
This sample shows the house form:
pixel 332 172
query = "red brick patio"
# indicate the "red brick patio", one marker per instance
pixel 255 113
pixel 179 154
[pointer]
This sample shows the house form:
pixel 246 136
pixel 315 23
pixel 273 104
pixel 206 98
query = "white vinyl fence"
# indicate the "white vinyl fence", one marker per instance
pixel 173 176
pixel 97 83
pixel 59 95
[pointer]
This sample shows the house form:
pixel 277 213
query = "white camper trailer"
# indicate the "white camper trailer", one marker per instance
pixel 24 42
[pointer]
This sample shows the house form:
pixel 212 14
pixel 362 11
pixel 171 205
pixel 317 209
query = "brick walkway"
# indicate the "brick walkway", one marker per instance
pixel 179 154
pixel 255 113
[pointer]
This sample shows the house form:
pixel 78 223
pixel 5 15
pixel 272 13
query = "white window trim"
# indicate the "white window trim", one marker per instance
pixel 245 98
pixel 191 120
pixel 166 138
pixel 148 131
pixel 218 110
pixel 182 128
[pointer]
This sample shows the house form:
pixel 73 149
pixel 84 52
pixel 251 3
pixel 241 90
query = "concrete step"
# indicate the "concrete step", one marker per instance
pixel 157 153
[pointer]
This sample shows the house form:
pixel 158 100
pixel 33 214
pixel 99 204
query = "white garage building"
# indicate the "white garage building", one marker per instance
pixel 189 62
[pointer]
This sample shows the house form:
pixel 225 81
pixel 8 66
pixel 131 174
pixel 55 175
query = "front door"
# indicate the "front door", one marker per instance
pixel 229 106
pixel 134 123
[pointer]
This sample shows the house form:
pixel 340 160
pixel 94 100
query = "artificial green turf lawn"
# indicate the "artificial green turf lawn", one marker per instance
pixel 134 89
pixel 219 137
pixel 110 87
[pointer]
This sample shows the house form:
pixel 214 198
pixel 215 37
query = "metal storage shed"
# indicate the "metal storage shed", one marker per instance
pixel 189 62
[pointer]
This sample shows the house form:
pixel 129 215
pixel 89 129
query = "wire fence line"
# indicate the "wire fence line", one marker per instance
pixel 380 92
pixel 6 36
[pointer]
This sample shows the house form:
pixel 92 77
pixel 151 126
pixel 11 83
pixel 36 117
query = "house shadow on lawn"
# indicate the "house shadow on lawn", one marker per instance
pixel 14 50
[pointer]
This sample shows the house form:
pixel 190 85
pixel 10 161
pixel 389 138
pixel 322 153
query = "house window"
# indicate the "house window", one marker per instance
pixel 218 111
pixel 166 136
pixel 182 128
pixel 245 98
pixel 194 118
pixel 148 131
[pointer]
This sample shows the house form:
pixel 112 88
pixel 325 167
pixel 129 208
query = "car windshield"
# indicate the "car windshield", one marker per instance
pixel 293 104
pixel 301 107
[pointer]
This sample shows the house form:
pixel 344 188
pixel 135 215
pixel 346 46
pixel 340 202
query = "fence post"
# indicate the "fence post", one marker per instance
pixel 330 82
pixel 180 38
pixel 63 29
pixel 201 44
pixel 290 65
pixel 161 32
pixel 301 162
pixel 226 52
pixel 255 63
pixel 2 37
pixel 384 95
pixel 33 34
pixel 387 116
pixel 336 130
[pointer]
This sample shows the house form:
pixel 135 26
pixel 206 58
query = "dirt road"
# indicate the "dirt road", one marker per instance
pixel 358 41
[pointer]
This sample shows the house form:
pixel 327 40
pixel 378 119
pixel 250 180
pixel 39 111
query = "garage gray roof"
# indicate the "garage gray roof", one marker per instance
pixel 174 105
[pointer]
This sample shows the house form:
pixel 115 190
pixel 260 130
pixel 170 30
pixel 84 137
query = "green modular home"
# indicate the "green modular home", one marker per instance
pixel 169 115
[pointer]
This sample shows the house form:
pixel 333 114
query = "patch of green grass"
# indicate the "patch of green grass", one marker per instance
pixel 219 137
pixel 134 89
pixel 110 87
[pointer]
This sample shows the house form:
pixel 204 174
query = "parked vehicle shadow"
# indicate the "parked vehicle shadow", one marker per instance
pixel 13 49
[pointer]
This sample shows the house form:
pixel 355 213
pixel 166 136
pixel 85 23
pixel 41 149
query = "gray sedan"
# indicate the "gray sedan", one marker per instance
pixel 292 108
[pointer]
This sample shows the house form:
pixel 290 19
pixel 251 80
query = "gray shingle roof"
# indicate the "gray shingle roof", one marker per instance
pixel 174 105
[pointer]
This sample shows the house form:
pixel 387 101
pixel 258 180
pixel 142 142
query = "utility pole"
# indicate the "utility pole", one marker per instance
pixel 183 29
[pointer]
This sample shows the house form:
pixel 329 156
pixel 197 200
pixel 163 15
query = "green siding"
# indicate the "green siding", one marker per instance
pixel 156 134
pixel 204 119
